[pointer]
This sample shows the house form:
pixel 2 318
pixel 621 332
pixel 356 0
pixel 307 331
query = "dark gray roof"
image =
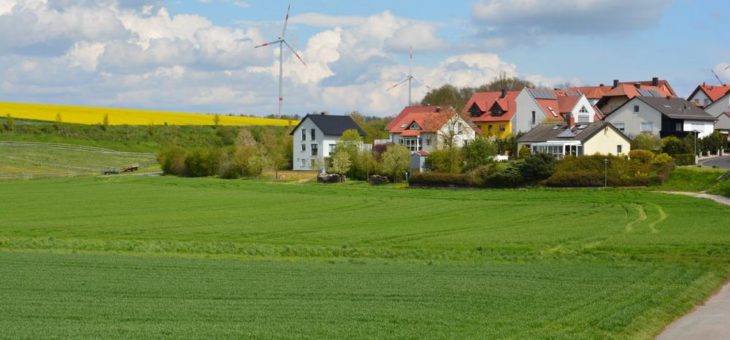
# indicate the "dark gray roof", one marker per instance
pixel 551 131
pixel 332 125
pixel 677 108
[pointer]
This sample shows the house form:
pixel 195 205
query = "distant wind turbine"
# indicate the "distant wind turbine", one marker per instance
pixel 282 41
pixel 718 77
pixel 409 79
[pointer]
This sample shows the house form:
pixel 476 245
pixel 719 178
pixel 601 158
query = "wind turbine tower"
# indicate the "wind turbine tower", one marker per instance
pixel 282 42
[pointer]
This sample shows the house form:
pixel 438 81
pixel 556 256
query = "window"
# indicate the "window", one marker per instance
pixel 332 148
pixel 414 126
pixel 584 119
pixel 620 126
pixel 647 127
pixel 619 149
pixel 428 140
pixel 636 108
pixel 678 126
pixel 489 128
pixel 304 147
pixel 533 118
pixel 583 110
pixel 314 134
pixel 502 127
pixel 314 149
pixel 411 143
pixel 304 134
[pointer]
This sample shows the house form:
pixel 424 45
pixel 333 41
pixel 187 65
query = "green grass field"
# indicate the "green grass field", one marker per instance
pixel 43 160
pixel 170 257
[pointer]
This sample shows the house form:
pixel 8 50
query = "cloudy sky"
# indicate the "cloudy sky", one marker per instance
pixel 198 55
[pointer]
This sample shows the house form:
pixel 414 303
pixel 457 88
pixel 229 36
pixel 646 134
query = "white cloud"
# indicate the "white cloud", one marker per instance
pixel 326 21
pixel 533 18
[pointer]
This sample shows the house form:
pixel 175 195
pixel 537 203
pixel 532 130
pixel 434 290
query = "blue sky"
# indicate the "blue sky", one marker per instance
pixel 198 55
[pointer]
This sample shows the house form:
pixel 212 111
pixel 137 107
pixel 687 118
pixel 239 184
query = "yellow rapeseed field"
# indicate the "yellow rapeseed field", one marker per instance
pixel 96 115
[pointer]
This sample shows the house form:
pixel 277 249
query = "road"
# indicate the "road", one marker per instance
pixel 721 162
pixel 710 320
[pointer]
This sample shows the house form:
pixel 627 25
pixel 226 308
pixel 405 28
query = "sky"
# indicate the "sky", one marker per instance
pixel 199 55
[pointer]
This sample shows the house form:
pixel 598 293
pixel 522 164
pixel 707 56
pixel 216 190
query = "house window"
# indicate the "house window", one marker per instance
pixel 304 134
pixel 619 149
pixel 428 140
pixel 489 128
pixel 620 126
pixel 647 127
pixel 314 134
pixel 414 126
pixel 678 127
pixel 584 110
pixel 304 163
pixel 410 143
pixel 314 149
pixel 304 147
pixel 636 108
pixel 533 118
pixel 332 148
pixel 502 127
pixel 584 119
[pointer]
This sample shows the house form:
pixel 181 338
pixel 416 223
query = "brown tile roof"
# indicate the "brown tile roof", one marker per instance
pixel 713 92
pixel 559 131
pixel 429 119
pixel 486 100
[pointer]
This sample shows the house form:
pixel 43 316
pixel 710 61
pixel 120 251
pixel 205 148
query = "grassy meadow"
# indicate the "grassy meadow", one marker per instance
pixel 29 160
pixel 171 257
pixel 115 116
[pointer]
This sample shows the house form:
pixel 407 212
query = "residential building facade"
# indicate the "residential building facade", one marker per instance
pixel 315 139
pixel 536 106
pixel 705 94
pixel 492 112
pixel 661 117
pixel 565 139
pixel 428 128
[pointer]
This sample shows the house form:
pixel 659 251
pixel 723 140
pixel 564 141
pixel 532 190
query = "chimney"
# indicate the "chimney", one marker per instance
pixel 601 85
pixel 704 84
pixel 568 118
pixel 323 113
pixel 438 108
pixel 637 85
pixel 615 83
pixel 504 93
pixel 655 81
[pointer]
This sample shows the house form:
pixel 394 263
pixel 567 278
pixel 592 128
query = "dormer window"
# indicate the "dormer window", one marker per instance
pixel 496 110
pixel 475 111
pixel 414 126
pixel 583 110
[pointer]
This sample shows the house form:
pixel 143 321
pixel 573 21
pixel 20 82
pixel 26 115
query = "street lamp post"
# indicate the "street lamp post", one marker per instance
pixel 605 173
pixel 696 133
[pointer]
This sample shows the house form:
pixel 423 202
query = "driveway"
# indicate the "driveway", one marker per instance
pixel 709 321
pixel 720 162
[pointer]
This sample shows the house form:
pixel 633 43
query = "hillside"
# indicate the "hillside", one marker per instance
pixel 116 116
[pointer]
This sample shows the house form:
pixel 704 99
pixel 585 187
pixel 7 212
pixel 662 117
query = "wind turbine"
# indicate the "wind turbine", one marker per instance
pixel 282 41
pixel 409 78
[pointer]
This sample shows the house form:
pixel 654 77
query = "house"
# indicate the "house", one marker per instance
pixel 704 95
pixel 428 128
pixel 535 106
pixel 661 116
pixel 720 109
pixel 492 112
pixel 315 138
pixel 566 139
pixel 608 98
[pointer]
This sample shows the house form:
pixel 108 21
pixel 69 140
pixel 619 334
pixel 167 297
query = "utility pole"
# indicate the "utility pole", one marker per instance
pixel 605 173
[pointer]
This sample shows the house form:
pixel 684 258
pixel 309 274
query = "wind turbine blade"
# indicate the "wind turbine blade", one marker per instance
pixel 295 52
pixel 399 84
pixel 268 43
pixel 286 22
pixel 422 83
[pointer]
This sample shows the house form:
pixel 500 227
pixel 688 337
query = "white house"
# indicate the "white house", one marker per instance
pixel 720 109
pixel 535 106
pixel 316 137
pixel 428 128
pixel 562 139
pixel 706 94
pixel 661 116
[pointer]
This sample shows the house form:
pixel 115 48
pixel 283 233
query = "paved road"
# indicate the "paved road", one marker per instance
pixel 711 320
pixel 722 162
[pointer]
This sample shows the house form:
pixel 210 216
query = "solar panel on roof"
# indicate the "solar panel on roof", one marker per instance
pixel 649 93
pixel 542 94
pixel 568 133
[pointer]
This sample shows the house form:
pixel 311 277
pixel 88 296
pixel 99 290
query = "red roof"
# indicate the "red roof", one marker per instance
pixel 485 101
pixel 428 118
pixel 563 102
pixel 629 89
pixel 713 92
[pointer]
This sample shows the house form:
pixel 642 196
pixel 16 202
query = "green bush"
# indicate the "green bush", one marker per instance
pixel 202 162
pixel 509 177
pixel 641 156
pixel 674 146
pixel 591 171
pixel 446 160
pixel 172 161
pixel 537 167
pixel 684 159
pixel 438 179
